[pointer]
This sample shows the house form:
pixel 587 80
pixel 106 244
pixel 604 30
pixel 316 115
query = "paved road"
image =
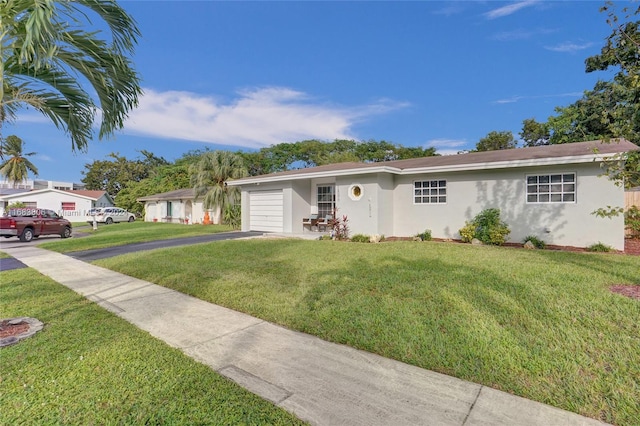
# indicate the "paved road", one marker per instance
pixel 90 255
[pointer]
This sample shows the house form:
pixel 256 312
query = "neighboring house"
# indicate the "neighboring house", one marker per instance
pixel 179 206
pixel 72 205
pixel 547 191
pixel 41 184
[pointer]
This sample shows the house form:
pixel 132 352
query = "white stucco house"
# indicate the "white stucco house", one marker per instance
pixel 547 191
pixel 71 204
pixel 179 206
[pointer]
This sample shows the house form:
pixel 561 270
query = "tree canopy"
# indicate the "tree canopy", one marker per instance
pixel 496 141
pixel 48 51
pixel 17 166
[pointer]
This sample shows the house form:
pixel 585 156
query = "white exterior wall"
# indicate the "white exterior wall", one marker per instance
pixel 53 201
pixel 468 193
pixel 370 214
pixel 157 210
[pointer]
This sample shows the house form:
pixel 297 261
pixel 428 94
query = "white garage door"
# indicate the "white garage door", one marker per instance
pixel 266 209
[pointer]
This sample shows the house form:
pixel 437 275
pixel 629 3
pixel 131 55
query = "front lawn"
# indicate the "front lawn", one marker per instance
pixel 540 324
pixel 116 234
pixel 89 367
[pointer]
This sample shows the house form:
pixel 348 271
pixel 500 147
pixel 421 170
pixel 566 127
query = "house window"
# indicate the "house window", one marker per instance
pixel 169 209
pixel 430 192
pixel 326 200
pixel 68 206
pixel 556 188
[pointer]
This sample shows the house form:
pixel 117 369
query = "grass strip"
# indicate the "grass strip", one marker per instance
pixel 87 366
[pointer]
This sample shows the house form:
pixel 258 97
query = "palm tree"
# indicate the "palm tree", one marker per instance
pixel 209 176
pixel 17 167
pixel 44 52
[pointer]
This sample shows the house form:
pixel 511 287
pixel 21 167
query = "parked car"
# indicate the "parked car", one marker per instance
pixel 28 224
pixel 110 215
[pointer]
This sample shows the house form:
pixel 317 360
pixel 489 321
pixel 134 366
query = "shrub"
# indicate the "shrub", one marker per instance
pixel 600 247
pixel 232 215
pixel 537 242
pixel 425 235
pixel 339 228
pixel 632 221
pixel 486 227
pixel 467 233
pixel 360 238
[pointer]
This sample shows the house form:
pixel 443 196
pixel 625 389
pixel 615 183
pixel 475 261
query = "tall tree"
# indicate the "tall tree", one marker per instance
pixel 496 141
pixel 46 54
pixel 622 53
pixel 17 166
pixel 209 176
pixel 115 174
pixel 534 133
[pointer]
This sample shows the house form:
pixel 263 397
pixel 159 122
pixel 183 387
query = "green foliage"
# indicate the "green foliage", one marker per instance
pixel 600 248
pixel 311 153
pixel 486 227
pixel 534 133
pixel 360 238
pixel 209 177
pixel 162 179
pixel 632 221
pixel 425 235
pixel 496 141
pixel 537 242
pixel 17 166
pixel 50 52
pixel 16 205
pixel 116 174
pixel 467 233
pixel 232 215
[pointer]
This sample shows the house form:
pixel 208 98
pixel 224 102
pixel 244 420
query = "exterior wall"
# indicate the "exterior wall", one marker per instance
pixel 53 201
pixel 300 204
pixel 365 214
pixel 156 211
pixel 468 193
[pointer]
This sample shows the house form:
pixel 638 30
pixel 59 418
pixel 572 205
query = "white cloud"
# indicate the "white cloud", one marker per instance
pixel 447 146
pixel 509 9
pixel 569 47
pixel 256 118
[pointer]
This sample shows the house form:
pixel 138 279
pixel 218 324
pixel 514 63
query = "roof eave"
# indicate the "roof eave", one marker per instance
pixel 550 161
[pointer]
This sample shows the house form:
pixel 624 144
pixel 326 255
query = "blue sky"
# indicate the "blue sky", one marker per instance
pixel 243 75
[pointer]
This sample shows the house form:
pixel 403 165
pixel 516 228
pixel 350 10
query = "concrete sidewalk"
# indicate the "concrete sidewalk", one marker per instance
pixel 320 382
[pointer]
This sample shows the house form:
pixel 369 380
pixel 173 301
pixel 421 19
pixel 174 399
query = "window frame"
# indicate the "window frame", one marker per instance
pixel 440 188
pixel 549 193
pixel 320 204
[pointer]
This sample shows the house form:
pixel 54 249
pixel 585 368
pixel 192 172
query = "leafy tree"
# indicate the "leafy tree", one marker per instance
pixel 622 52
pixel 534 133
pixel 46 53
pixel 17 166
pixel 114 175
pixel 209 176
pixel 163 179
pixel 311 153
pixel 496 141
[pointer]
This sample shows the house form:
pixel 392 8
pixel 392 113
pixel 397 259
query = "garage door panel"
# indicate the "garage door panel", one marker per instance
pixel 266 211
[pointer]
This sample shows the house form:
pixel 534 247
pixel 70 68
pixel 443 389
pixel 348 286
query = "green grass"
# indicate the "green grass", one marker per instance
pixel 127 233
pixel 539 324
pixel 88 366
